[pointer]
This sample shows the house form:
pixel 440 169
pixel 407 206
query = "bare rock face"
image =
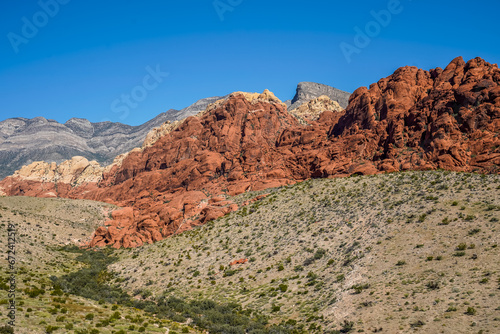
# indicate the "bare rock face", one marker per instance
pixel 311 110
pixel 71 178
pixel 236 262
pixel 307 91
pixel 413 119
pixel 155 134
pixel 41 179
pixel 426 120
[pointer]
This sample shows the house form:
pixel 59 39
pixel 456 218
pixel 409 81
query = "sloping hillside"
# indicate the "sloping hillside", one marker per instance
pixel 44 230
pixel 401 251
pixel 388 253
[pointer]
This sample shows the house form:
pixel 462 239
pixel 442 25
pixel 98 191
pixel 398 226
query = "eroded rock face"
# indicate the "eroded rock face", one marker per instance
pixel 41 179
pixel 307 91
pixel 177 183
pixel 155 134
pixel 416 119
pixel 413 119
pixel 311 110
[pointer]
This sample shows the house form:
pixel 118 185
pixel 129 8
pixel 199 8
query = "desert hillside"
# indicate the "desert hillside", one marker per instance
pixel 46 233
pixel 402 251
pixel 389 253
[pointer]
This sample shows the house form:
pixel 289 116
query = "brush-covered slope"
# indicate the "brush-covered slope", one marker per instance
pixel 411 120
pixel 390 253
pixel 42 228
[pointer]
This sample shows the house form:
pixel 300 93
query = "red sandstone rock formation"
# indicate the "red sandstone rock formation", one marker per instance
pixel 413 119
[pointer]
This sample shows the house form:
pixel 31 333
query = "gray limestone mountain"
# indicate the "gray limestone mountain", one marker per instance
pixel 23 141
pixel 306 91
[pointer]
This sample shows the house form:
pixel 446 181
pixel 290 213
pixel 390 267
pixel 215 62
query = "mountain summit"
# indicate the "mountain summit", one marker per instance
pixel 307 91
pixel 23 141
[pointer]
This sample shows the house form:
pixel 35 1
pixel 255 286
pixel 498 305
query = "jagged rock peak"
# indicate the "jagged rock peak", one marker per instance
pixel 307 91
pixel 266 96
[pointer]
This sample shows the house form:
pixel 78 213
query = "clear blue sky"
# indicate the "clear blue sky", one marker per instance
pixel 88 55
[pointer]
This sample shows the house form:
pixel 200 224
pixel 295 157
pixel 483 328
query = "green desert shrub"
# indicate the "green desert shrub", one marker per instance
pixel 470 311
pixel 6 330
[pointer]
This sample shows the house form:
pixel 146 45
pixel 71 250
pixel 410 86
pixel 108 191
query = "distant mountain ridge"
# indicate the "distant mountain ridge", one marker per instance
pixel 23 141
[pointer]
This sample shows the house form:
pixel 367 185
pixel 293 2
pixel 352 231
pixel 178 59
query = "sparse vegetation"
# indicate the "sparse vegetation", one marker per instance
pixel 395 245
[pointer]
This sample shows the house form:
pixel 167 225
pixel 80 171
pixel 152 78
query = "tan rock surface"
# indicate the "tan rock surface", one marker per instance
pixel 155 134
pixel 311 110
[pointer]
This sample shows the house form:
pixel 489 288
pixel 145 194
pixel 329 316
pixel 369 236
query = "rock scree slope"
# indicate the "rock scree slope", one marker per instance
pixel 411 120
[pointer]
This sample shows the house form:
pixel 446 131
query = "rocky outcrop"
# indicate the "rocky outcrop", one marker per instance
pixel 413 119
pixel 167 127
pixel 42 179
pixel 307 91
pixel 76 171
pixel 266 97
pixel 156 133
pixel 311 110
pixel 23 141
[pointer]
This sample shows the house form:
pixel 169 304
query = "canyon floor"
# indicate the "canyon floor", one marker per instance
pixel 390 253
